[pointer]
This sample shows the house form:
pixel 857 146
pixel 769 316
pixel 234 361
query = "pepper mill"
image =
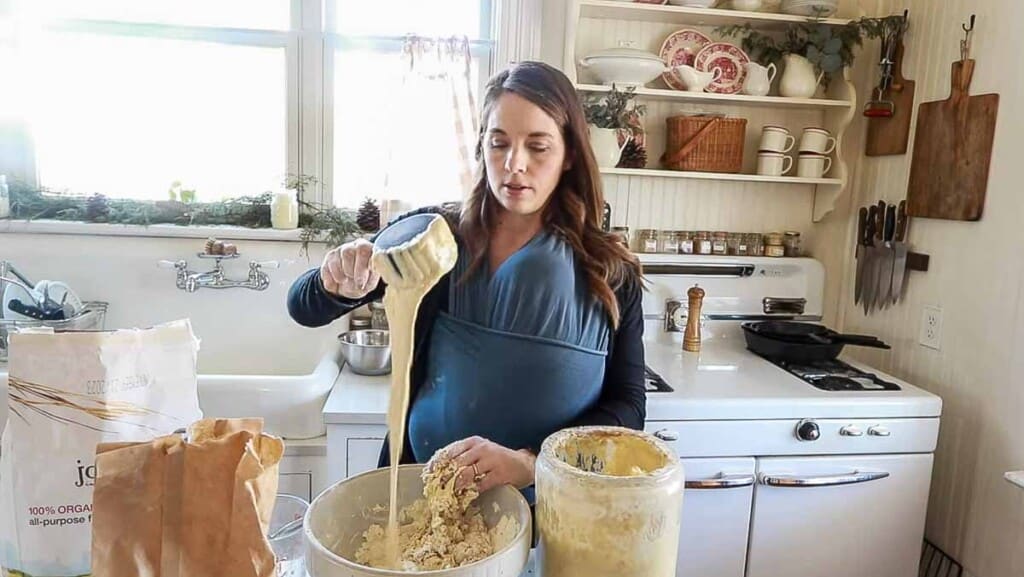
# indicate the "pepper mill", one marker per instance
pixel 691 338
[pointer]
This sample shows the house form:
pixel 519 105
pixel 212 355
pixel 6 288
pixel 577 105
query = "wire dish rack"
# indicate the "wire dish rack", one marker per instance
pixel 90 318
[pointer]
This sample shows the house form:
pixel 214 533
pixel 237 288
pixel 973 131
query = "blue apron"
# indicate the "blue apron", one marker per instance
pixel 520 355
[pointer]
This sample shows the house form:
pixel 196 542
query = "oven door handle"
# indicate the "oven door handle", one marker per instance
pixel 799 481
pixel 722 481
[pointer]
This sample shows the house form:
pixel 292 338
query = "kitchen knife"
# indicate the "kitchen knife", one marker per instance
pixel 884 293
pixel 878 255
pixel 869 257
pixel 862 243
pixel 899 269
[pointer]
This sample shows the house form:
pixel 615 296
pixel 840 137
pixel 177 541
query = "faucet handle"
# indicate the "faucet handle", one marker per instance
pixel 271 264
pixel 178 264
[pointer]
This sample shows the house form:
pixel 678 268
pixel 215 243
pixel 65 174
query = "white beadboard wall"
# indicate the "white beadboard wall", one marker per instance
pixel 976 277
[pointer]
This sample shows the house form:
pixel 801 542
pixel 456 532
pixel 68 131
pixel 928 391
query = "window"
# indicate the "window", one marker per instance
pixel 125 98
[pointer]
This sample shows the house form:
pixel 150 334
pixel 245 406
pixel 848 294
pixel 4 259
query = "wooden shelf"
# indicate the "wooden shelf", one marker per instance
pixel 691 16
pixel 724 99
pixel 649 172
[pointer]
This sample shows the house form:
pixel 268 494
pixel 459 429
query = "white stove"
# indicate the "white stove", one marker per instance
pixel 785 476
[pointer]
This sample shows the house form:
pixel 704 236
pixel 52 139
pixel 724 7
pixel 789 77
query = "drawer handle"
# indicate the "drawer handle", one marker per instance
pixel 822 480
pixel 722 481
pixel 667 435
pixel 878 432
pixel 851 431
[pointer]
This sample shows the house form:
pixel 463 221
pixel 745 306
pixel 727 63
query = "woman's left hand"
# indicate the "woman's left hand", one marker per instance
pixel 490 465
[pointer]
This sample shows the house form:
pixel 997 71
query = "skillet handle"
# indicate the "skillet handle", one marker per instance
pixel 860 341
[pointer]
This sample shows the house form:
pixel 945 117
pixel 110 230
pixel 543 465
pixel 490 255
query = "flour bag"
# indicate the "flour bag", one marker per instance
pixel 68 392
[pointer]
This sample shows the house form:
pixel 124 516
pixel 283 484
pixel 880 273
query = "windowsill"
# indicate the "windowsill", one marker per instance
pixel 154 230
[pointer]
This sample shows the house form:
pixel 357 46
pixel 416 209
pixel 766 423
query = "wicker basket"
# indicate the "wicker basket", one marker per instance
pixel 705 143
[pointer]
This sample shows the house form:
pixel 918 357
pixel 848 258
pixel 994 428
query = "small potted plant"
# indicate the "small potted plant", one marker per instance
pixel 616 123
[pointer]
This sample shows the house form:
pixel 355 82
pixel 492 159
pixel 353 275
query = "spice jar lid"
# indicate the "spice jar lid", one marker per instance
pixel 773 238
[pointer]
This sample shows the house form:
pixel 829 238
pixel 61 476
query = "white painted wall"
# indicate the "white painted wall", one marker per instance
pixel 977 277
pixel 242 331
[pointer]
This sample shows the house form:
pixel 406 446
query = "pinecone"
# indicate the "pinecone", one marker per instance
pixel 633 156
pixel 97 208
pixel 368 217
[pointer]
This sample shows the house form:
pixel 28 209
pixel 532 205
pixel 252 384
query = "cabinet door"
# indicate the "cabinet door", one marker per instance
pixel 839 516
pixel 716 517
pixel 362 455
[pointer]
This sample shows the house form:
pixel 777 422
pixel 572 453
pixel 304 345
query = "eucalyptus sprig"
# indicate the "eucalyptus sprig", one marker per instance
pixel 616 109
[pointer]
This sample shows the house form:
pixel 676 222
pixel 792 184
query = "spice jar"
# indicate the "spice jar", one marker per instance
pixel 685 242
pixel 773 245
pixel 702 243
pixel 736 245
pixel 607 497
pixel 646 240
pixel 622 232
pixel 668 242
pixel 719 243
pixel 755 244
pixel 791 241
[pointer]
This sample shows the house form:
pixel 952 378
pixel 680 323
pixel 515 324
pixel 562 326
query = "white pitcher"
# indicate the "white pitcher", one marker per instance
pixel 799 81
pixel 759 79
pixel 695 80
pixel 605 144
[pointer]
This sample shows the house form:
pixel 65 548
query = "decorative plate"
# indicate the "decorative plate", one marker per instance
pixel 731 59
pixel 681 47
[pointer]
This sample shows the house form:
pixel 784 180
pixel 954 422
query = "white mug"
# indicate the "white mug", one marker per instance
pixel 695 80
pixel 813 166
pixel 773 163
pixel 776 139
pixel 817 141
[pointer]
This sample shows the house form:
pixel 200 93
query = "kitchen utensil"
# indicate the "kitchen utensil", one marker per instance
pixel 773 163
pixel 871 255
pixel 336 520
pixel 953 148
pixel 776 139
pixel 902 249
pixel 879 256
pixel 759 79
pixel 731 59
pixel 681 47
pixel 801 342
pixel 884 291
pixel 624 65
pixel 813 166
pixel 367 351
pixel 889 134
pixel 862 244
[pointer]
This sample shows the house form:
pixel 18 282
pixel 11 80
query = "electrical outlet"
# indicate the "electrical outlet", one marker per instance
pixel 931 328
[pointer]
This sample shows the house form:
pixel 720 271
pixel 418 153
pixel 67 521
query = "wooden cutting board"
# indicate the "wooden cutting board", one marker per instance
pixel 952 152
pixel 890 136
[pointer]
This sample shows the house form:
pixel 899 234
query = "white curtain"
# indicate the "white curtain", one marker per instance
pixel 433 127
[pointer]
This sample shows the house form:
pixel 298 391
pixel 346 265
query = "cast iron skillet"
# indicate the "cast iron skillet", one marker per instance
pixel 801 342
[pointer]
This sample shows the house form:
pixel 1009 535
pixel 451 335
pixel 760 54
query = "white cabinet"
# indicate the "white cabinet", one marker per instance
pixel 839 513
pixel 716 517
pixel 362 455
pixel 352 449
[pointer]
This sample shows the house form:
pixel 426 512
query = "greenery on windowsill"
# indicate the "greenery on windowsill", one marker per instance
pixel 318 223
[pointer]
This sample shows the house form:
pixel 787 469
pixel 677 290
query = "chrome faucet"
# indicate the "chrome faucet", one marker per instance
pixel 191 281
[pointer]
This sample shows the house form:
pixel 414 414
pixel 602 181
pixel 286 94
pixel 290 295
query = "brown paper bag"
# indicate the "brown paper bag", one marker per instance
pixel 201 508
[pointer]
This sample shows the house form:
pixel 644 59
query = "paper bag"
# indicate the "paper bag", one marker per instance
pixel 67 393
pixel 196 508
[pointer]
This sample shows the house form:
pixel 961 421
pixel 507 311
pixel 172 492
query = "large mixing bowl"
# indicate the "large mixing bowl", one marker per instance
pixel 367 351
pixel 336 520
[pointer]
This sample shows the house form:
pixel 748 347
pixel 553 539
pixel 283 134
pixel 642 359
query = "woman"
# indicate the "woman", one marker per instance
pixel 539 326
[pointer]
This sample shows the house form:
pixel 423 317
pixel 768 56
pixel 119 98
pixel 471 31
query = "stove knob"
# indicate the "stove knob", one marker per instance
pixel 807 431
pixel 851 431
pixel 878 431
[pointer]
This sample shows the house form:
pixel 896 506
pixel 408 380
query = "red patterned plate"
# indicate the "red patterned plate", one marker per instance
pixel 681 47
pixel 731 59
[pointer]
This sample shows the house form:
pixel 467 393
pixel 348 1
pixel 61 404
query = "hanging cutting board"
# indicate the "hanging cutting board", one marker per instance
pixel 890 136
pixel 952 152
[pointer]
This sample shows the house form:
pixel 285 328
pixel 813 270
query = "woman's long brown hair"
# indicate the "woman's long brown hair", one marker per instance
pixel 575 208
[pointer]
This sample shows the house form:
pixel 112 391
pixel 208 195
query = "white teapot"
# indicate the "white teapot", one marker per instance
pixel 759 79
pixel 695 80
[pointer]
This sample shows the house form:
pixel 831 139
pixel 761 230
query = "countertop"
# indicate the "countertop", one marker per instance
pixel 723 382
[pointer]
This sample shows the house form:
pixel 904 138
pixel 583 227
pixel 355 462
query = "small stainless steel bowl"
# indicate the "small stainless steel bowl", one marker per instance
pixel 367 351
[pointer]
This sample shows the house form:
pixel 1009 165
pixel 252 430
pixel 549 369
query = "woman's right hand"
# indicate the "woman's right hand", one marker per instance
pixel 346 270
